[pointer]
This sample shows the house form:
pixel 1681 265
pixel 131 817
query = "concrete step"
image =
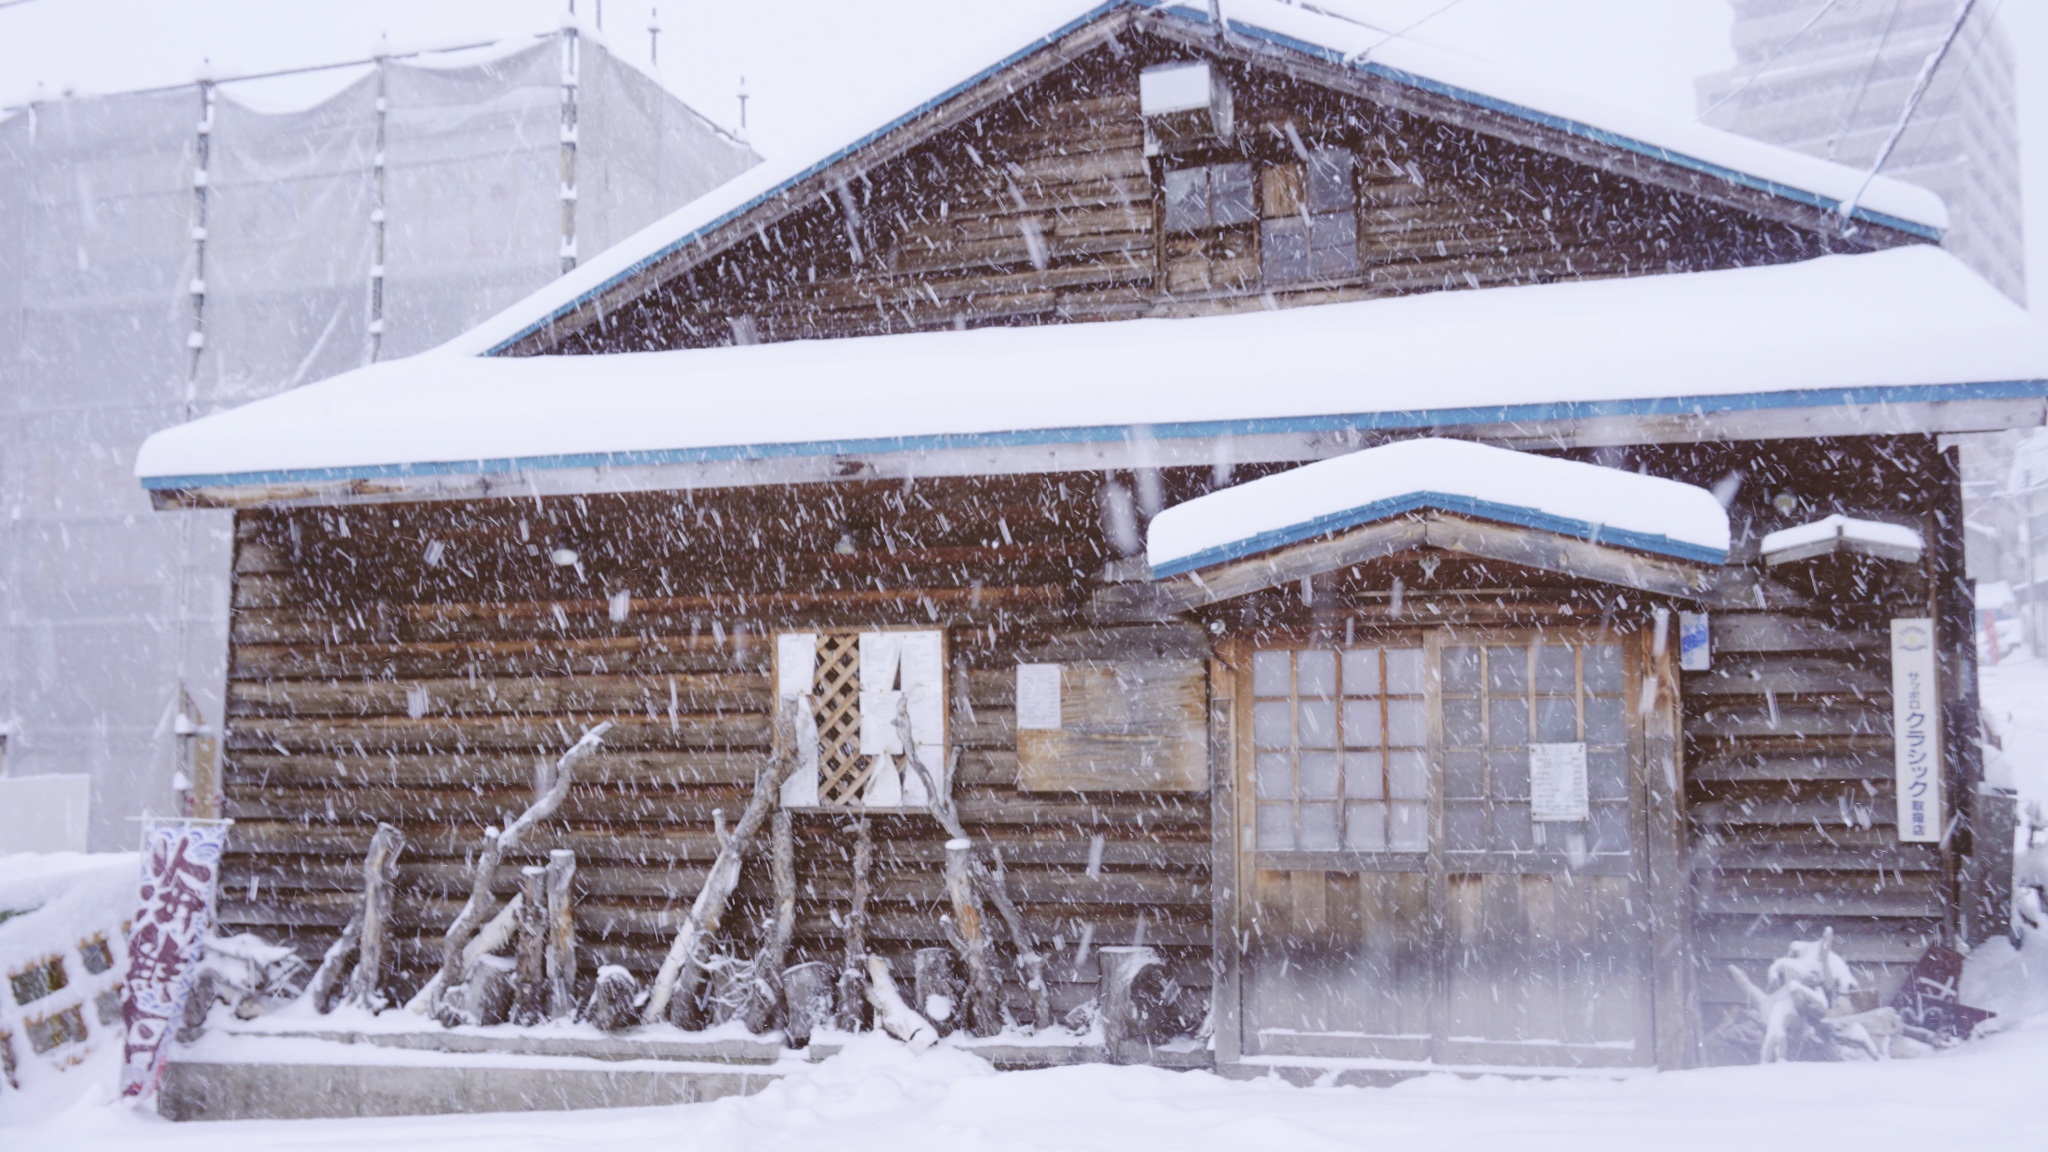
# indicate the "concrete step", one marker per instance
pixel 300 1078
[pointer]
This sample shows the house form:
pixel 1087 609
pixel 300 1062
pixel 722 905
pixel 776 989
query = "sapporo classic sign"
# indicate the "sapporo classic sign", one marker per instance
pixel 1916 729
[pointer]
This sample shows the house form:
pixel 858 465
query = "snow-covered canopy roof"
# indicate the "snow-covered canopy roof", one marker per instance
pixel 1486 85
pixel 1842 533
pixel 1908 324
pixel 1566 497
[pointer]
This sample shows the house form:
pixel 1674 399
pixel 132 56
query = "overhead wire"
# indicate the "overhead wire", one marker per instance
pixel 1920 86
pixel 1397 34
pixel 1855 104
pixel 1780 50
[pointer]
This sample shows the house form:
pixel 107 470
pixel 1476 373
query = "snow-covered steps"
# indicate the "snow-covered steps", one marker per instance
pixel 228 1076
pixel 295 1067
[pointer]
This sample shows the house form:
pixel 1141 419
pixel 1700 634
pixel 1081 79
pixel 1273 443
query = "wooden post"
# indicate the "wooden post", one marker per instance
pixel 531 991
pixel 365 984
pixel 936 986
pixel 892 1015
pixel 768 966
pixel 1225 1002
pixel 561 944
pixel 1121 1023
pixel 320 990
pixel 1028 957
pixel 853 974
pixel 683 967
pixel 1667 882
pixel 807 1000
pixel 611 999
pixel 478 906
pixel 984 1004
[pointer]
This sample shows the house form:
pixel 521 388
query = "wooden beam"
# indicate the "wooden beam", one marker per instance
pixel 1226 1005
pixel 1667 879
pixel 365 984
pixel 984 1002
pixel 561 943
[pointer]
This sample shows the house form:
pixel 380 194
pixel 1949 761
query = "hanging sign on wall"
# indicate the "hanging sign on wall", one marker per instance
pixel 1916 730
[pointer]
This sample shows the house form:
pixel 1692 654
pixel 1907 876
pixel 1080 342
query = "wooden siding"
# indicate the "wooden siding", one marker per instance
pixel 368 685
pixel 1042 207
pixel 415 664
pixel 1790 787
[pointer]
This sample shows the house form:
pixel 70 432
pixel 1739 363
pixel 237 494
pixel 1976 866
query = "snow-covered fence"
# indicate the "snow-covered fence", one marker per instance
pixel 63 952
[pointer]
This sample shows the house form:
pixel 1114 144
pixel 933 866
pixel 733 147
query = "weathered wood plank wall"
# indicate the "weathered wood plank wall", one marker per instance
pixel 1790 786
pixel 416 665
pixel 1044 208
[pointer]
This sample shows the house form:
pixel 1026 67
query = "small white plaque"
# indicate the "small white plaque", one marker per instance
pixel 1557 782
pixel 1916 730
pixel 1038 697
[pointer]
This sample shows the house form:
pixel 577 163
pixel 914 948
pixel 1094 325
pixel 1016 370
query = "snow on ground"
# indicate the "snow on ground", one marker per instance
pixel 877 1095
pixel 2014 699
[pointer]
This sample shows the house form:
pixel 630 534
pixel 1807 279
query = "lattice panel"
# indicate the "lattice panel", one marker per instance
pixel 842 771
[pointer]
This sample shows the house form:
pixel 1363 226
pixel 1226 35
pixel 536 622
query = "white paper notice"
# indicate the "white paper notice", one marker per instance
pixel 1557 782
pixel 1916 730
pixel 1038 697
pixel 796 662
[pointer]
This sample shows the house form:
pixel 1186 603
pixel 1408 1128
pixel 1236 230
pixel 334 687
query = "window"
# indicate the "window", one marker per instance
pixel 1339 744
pixel 1310 230
pixel 1215 196
pixel 1500 699
pixel 852 686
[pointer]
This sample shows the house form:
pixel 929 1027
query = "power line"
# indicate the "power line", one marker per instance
pixel 1739 89
pixel 1920 84
pixel 1855 104
pixel 1361 57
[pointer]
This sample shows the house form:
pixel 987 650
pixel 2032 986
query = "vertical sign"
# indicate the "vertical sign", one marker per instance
pixel 1916 730
pixel 174 907
pixel 1695 648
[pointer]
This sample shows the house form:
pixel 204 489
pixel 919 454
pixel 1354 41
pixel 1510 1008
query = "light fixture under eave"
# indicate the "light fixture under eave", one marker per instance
pixel 564 557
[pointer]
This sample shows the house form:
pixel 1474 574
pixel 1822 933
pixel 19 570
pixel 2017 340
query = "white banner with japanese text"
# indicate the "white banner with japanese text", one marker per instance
pixel 173 908
pixel 1916 730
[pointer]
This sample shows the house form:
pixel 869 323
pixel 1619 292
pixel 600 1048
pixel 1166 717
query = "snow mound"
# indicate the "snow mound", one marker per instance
pixel 1568 497
pixel 63 919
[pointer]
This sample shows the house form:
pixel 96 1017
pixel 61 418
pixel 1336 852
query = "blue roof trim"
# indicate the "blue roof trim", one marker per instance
pixel 914 114
pixel 1412 420
pixel 1393 506
pixel 1579 129
pixel 1176 10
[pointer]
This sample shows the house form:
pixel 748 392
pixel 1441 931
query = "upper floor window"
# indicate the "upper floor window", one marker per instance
pixel 1212 196
pixel 1310 218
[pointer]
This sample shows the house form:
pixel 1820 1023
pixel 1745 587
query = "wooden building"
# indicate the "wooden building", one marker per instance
pixel 895 422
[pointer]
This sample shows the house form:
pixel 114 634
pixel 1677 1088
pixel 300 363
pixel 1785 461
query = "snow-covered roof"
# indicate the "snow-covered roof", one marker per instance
pixel 1827 533
pixel 1907 324
pixel 1570 498
pixel 1484 84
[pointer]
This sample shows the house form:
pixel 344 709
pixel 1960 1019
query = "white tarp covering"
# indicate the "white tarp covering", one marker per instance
pixel 1566 496
pixel 1909 316
pixel 104 607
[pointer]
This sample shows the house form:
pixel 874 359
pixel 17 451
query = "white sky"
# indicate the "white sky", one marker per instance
pixel 802 58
